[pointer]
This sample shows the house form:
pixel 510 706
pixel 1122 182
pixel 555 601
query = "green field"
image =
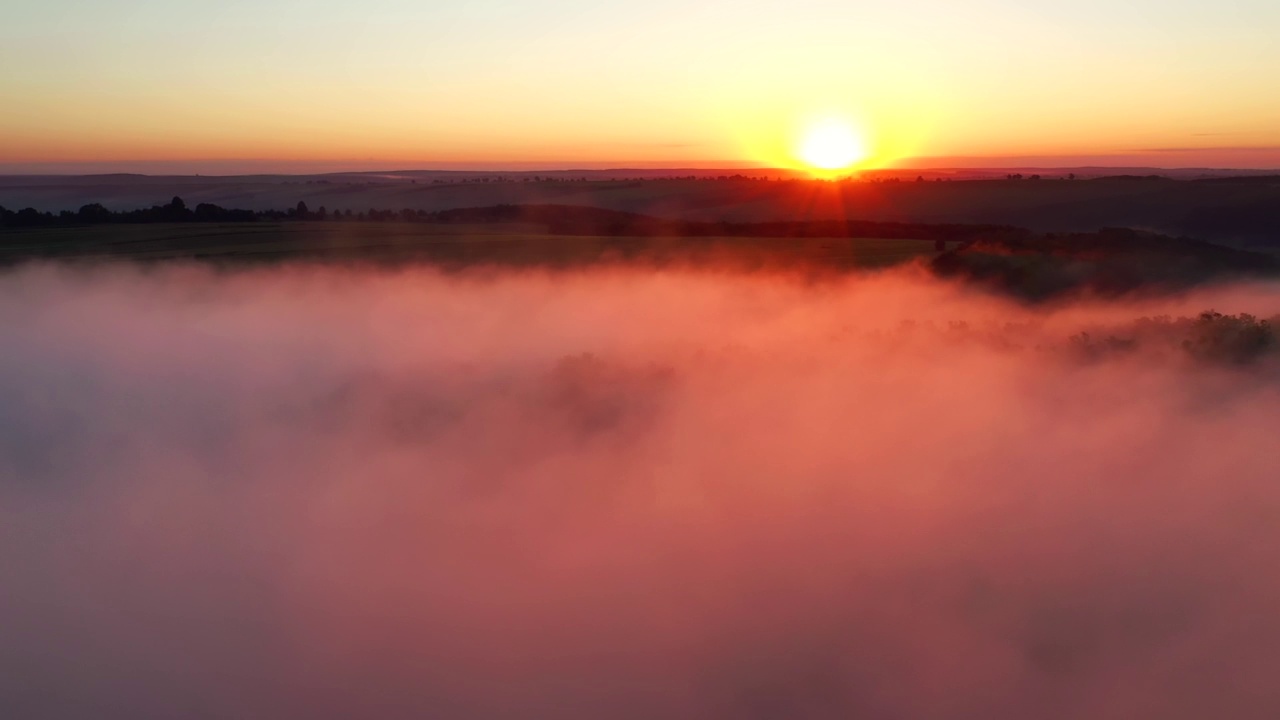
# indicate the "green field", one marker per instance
pixel 450 245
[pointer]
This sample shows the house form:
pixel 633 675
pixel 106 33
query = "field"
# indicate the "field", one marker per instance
pixel 501 244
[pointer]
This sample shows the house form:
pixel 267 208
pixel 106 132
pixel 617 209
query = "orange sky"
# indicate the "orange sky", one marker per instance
pixel 501 83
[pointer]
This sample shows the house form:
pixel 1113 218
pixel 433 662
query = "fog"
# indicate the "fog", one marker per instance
pixel 315 493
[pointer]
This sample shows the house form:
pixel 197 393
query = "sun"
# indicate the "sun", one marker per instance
pixel 831 145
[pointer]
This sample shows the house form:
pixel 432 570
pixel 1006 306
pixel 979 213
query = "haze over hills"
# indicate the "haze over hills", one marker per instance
pixel 1235 206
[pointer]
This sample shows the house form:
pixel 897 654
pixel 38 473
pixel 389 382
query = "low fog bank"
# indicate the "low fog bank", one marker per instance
pixel 319 493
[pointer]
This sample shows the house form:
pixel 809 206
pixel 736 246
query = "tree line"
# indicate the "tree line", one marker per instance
pixel 557 219
pixel 177 211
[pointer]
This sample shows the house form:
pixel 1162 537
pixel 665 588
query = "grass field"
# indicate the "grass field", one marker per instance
pixel 442 244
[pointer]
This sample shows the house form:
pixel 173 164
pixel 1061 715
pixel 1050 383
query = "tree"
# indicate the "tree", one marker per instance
pixel 93 213
pixel 175 211
pixel 27 217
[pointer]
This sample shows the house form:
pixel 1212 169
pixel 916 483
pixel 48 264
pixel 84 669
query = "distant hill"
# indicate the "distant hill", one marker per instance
pixel 1243 209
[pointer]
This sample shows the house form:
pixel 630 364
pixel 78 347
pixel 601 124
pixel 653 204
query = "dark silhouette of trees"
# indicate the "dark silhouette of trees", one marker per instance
pixel 28 217
pixel 175 211
pixel 206 212
pixel 94 213
pixel 1229 338
pixel 558 219
pixel 1210 337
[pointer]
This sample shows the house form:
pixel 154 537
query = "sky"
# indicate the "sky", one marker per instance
pixel 590 83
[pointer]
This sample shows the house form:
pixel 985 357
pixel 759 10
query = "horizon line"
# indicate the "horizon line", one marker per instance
pixel 852 173
pixel 1251 159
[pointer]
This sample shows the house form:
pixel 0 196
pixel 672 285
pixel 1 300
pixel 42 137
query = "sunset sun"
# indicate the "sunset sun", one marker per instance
pixel 831 145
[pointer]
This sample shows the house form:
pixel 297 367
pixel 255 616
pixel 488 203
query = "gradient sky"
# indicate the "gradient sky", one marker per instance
pixel 588 82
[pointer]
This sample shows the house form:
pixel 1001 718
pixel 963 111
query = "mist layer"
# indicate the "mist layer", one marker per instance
pixel 323 493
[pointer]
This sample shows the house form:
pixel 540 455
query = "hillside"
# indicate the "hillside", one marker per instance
pixel 1243 211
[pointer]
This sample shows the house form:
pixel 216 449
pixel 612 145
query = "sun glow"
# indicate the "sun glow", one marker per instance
pixel 831 145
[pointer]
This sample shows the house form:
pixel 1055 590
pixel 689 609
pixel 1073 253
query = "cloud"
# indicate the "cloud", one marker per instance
pixel 1243 149
pixel 309 492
